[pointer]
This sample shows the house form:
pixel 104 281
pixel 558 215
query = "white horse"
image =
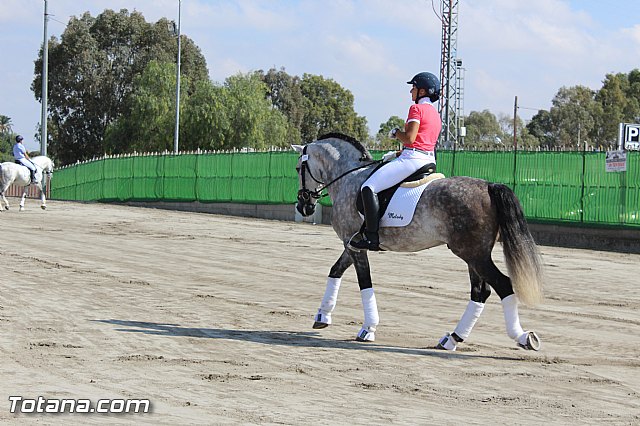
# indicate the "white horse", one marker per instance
pixel 17 174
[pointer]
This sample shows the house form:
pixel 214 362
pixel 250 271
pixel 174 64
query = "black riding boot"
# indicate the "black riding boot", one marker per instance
pixel 370 240
pixel 33 176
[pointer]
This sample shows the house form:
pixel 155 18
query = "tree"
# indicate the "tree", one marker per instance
pixel 313 106
pixel 285 94
pixel 382 137
pixel 633 96
pixel 572 115
pixel 541 127
pixel 619 100
pixel 328 107
pixel 150 124
pixel 92 70
pixel 252 121
pixel 204 120
pixel 613 101
pixel 524 139
pixel 527 141
pixel 5 124
pixel 483 130
pixel 236 114
pixel 6 138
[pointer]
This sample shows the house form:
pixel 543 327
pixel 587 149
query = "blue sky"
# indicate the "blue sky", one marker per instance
pixel 524 48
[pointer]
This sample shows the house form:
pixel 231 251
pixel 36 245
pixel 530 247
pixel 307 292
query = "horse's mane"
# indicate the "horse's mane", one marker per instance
pixel 350 139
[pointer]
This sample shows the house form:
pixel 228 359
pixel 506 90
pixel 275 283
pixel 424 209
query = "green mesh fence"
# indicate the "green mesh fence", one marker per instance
pixel 147 182
pixel 117 183
pixel 557 187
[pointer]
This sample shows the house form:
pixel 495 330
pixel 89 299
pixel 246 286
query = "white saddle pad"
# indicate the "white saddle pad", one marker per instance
pixel 404 201
pixel 402 206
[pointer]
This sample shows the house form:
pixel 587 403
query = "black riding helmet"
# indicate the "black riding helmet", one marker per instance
pixel 19 138
pixel 428 82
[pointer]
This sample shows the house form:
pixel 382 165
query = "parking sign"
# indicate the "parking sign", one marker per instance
pixel 631 137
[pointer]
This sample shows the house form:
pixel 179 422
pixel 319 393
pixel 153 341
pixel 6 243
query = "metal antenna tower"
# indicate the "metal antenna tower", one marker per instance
pixel 460 128
pixel 450 102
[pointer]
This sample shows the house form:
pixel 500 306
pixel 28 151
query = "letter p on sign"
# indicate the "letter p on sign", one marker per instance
pixel 633 133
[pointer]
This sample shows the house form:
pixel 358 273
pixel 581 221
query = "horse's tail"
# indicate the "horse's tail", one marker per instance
pixel 520 251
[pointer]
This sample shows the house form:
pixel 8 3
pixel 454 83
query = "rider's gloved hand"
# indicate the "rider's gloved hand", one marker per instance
pixel 392 133
pixel 389 156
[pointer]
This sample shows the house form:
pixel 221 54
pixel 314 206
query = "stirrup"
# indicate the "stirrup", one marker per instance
pixel 363 244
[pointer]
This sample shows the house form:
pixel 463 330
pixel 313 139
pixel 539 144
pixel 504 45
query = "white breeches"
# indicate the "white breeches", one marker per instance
pixel 27 164
pixel 396 170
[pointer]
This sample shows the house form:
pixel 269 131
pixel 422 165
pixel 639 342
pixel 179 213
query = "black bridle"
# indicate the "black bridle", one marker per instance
pixel 306 206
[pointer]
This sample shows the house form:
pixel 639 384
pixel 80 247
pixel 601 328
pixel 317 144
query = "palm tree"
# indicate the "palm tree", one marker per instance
pixel 5 124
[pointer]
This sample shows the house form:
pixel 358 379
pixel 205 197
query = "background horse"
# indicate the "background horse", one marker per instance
pixel 17 174
pixel 462 212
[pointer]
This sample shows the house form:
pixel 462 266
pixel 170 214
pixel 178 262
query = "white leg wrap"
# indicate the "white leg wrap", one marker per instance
pixel 469 319
pixel 511 319
pixel 330 295
pixel 368 331
pixel 328 302
pixel 447 342
pixel 370 307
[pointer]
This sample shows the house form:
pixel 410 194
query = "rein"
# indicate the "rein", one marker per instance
pixel 307 194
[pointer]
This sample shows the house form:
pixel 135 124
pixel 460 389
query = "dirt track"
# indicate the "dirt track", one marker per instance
pixel 210 318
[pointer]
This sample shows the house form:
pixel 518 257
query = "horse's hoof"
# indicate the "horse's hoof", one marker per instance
pixel 6 207
pixel 21 209
pixel 529 341
pixel 43 207
pixel 447 343
pixel 321 320
pixel 366 335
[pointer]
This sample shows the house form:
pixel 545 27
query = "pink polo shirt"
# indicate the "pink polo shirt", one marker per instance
pixel 426 114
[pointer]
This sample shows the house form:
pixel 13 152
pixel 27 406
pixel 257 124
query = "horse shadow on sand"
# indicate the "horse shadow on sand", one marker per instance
pixel 309 339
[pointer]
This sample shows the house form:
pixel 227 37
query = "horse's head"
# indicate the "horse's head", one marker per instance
pixel 310 186
pixel 325 162
pixel 45 163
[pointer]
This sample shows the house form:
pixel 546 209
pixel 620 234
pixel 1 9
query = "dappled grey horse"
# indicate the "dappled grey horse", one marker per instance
pixel 465 213
pixel 17 174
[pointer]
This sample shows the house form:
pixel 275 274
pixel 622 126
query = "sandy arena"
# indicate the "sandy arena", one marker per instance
pixel 209 317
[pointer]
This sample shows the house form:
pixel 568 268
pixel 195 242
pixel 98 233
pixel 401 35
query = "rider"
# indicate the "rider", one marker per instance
pixel 21 156
pixel 419 137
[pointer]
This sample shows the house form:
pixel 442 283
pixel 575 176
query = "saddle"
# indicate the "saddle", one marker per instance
pixel 421 176
pixel 32 173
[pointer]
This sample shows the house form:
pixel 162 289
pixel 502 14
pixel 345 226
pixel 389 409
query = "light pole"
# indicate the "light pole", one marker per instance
pixel 177 129
pixel 45 78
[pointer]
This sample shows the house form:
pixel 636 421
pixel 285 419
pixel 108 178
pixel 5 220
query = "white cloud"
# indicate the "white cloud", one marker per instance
pixel 246 15
pixel 362 52
pixel 531 49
